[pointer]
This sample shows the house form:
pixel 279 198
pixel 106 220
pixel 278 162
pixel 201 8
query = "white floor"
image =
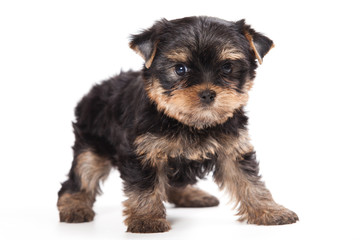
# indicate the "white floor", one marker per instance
pixel 41 222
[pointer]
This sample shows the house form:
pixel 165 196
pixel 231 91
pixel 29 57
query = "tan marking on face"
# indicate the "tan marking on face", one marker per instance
pixel 178 55
pixel 92 169
pixel 231 54
pixel 248 85
pixel 185 106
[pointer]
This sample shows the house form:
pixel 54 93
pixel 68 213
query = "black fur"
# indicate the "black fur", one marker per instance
pixel 249 164
pixel 182 172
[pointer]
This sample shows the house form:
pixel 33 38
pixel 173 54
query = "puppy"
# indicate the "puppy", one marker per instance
pixel 170 124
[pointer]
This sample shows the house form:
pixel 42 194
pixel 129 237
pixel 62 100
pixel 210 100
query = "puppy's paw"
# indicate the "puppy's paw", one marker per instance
pixel 274 216
pixel 192 197
pixel 148 225
pixel 76 215
pixel 199 201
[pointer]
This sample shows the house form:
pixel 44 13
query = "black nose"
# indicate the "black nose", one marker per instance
pixel 207 96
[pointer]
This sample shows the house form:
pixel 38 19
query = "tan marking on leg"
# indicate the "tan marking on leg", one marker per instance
pixel 92 169
pixel 76 207
pixel 232 147
pixel 254 201
pixel 145 211
pixel 190 196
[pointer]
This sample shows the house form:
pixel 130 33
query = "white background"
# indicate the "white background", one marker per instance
pixel 304 114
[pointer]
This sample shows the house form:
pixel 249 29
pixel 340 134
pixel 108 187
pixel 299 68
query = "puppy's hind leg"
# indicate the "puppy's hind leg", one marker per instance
pixel 191 196
pixel 77 194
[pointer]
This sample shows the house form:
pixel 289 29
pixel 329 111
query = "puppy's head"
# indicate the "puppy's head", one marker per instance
pixel 199 70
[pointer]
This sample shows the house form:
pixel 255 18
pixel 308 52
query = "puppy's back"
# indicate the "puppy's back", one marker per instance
pixel 108 103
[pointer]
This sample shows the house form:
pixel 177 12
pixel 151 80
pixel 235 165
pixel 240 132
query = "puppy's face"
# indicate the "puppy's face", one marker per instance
pixel 199 70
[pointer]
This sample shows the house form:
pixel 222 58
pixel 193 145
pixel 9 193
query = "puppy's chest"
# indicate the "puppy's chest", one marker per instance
pixel 156 148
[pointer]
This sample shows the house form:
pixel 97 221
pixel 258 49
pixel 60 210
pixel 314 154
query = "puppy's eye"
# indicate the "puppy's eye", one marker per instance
pixel 226 68
pixel 181 69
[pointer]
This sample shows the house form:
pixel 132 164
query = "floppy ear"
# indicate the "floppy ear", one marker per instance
pixel 146 42
pixel 259 43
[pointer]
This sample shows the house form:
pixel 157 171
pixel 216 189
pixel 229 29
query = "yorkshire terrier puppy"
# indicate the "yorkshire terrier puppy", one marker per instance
pixel 170 124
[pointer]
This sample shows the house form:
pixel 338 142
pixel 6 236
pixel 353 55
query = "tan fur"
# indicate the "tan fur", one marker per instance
pixel 148 61
pixel 254 197
pixel 185 105
pixel 92 169
pixel 137 205
pixel 231 54
pixel 178 55
pixel 154 146
pixel 76 207
pixel 148 225
pixel 190 196
pixel 252 45
pixel 181 55
pixel 257 205
pixel 145 211
pixel 157 148
pixel 136 49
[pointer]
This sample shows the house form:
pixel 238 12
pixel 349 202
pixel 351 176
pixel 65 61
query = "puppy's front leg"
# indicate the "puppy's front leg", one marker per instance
pixel 144 208
pixel 239 175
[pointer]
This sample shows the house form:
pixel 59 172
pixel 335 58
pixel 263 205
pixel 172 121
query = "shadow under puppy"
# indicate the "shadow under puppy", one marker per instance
pixel 172 123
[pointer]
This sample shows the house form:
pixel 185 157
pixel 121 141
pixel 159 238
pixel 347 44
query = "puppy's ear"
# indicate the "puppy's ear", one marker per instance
pixel 145 43
pixel 259 43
